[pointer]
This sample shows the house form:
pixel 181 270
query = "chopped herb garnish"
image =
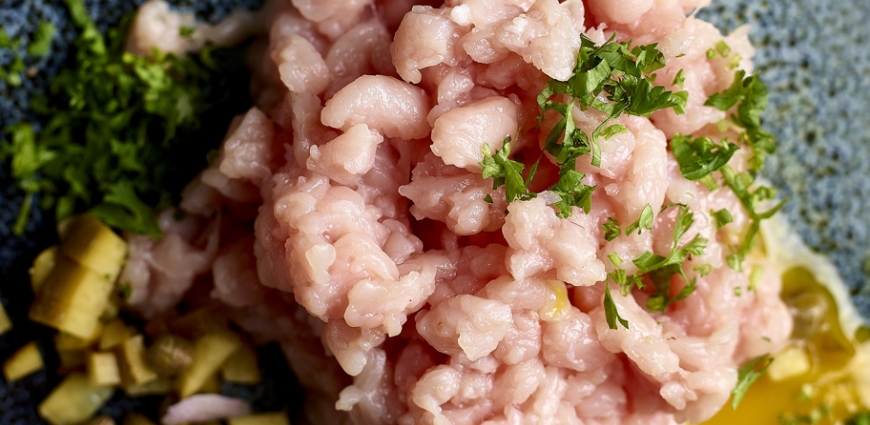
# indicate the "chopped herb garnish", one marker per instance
pixel 610 313
pixel 680 78
pixel 747 375
pixel 699 157
pixel 41 42
pixel 611 229
pixel 118 138
pixel 740 184
pixel 5 41
pixel 125 290
pixel 723 48
pixel 750 96
pixel 506 172
pixel 661 269
pixel 622 76
pixel 186 31
pixel 721 217
pixel 644 222
pixel 860 419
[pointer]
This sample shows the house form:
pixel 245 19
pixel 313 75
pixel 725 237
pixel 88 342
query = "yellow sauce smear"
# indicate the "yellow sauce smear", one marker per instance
pixel 818 380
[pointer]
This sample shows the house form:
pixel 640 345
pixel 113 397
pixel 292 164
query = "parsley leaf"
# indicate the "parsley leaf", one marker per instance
pixel 750 96
pixel 616 71
pixel 740 184
pixel 41 42
pixel 747 375
pixel 505 172
pixel 644 222
pixel 611 230
pixel 610 312
pixel 860 419
pixel 572 192
pixel 722 217
pixel 680 78
pixel 699 157
pixel 661 269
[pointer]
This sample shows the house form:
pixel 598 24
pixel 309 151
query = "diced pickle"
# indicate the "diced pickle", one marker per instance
pixel 5 323
pixel 209 353
pixel 277 418
pixel 42 266
pixel 241 367
pixel 91 243
pixel 132 363
pixel 72 299
pixel 114 333
pixel 68 342
pixel 74 401
pixel 199 322
pixel 212 385
pixel 103 369
pixel 72 360
pixel 159 386
pixel 22 363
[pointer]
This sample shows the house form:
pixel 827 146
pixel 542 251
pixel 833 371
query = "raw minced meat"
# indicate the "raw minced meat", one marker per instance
pixel 346 217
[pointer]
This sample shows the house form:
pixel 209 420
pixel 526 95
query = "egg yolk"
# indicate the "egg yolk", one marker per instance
pixel 807 382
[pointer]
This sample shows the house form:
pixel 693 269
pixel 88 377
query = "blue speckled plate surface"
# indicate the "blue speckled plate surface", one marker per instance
pixel 813 54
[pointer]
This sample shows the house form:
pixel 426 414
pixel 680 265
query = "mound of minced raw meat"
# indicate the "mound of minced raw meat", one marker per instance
pixel 347 218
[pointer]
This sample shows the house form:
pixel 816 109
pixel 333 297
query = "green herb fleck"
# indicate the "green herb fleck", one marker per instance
pixel 680 78
pixel 41 43
pixel 610 312
pixel 186 31
pixel 699 157
pixel 859 419
pixel 747 375
pixel 611 229
pixel 506 172
pixel 721 217
pixel 645 221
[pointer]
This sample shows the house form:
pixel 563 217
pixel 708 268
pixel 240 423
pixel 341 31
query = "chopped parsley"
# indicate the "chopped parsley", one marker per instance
pixel 118 134
pixel 644 222
pixel 619 73
pixel 860 419
pixel 612 78
pixel 186 31
pixel 747 375
pixel 680 78
pixel 721 217
pixel 611 229
pixel 749 94
pixel 41 42
pixel 611 315
pixel 699 157
pixel 506 172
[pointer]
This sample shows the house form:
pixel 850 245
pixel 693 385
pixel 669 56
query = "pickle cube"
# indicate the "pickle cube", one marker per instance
pixel 72 299
pixel 241 367
pixel 23 362
pixel 209 353
pixel 92 244
pixel 42 266
pixel 5 323
pixel 73 401
pixel 132 364
pixel 103 369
